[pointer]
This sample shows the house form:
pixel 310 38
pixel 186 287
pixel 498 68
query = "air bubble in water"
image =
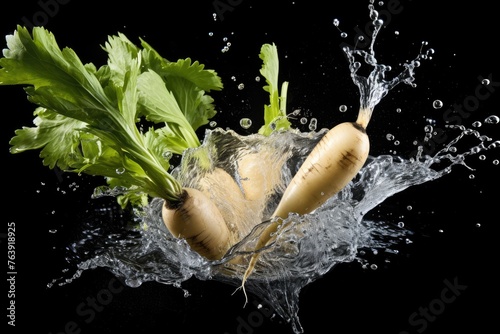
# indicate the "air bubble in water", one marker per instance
pixel 120 171
pixel 437 104
pixel 343 108
pixel 476 124
pixel 374 267
pixel 213 124
pixel 241 86
pixel 343 35
pixel 303 120
pixel 496 162
pixel 485 82
pixel 336 22
pixel 257 78
pixel 389 136
pixel 245 123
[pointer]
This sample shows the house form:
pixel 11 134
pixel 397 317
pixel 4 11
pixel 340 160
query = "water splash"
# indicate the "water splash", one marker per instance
pixel 305 249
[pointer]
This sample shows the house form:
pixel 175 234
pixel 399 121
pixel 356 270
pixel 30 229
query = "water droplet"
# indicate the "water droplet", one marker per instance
pixel 343 108
pixel 245 123
pixel 495 144
pixel 313 124
pixel 437 104
pixel 120 171
pixel 493 119
pixel 167 155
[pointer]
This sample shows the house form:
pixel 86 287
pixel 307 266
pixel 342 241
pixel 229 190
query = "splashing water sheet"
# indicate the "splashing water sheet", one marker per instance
pixel 406 247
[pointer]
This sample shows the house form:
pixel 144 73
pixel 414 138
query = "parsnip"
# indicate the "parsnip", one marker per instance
pixel 200 222
pixel 331 165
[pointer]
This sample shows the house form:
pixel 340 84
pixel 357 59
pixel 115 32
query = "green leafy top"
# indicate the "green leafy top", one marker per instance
pixel 275 112
pixel 89 120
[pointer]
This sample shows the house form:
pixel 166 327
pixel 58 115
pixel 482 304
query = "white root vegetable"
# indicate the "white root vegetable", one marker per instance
pixel 332 164
pixel 257 181
pixel 228 206
pixel 225 193
pixel 196 219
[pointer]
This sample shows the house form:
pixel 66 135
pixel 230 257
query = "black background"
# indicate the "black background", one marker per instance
pixel 349 299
